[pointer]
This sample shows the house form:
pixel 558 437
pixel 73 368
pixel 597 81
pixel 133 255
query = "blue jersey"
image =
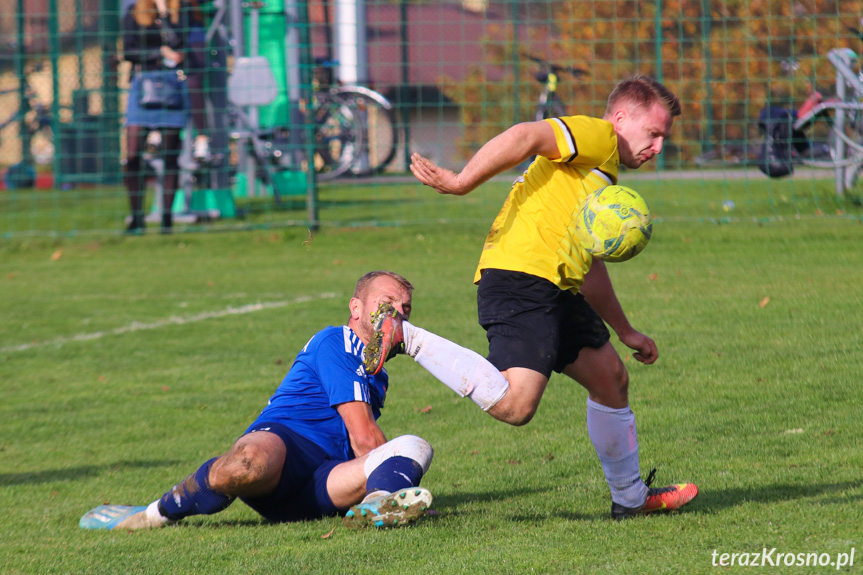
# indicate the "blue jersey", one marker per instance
pixel 328 371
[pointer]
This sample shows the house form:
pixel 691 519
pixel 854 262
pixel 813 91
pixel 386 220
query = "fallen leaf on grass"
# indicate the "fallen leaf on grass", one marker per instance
pixel 764 302
pixel 327 535
pixel 652 277
pixel 425 409
pixel 57 255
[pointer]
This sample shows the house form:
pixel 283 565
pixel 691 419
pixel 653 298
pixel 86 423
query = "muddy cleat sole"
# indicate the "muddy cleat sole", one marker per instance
pixel 109 516
pixel 393 510
pixel 387 340
pixel 659 499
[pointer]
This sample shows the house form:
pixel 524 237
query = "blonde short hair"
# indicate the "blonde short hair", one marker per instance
pixel 642 92
pixel 364 282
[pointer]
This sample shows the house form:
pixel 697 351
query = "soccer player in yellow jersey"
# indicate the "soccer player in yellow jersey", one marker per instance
pixel 542 299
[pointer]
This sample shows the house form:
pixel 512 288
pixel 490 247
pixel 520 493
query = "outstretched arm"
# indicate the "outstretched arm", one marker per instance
pixel 599 293
pixel 501 153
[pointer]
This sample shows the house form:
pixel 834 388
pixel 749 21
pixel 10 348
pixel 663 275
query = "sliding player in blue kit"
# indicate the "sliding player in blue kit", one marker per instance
pixel 316 449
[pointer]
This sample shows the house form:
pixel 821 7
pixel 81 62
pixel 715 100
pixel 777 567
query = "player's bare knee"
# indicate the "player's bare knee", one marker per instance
pixel 621 380
pixel 516 414
pixel 245 465
pixel 616 389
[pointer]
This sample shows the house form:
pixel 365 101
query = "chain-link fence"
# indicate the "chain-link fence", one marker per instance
pixel 290 104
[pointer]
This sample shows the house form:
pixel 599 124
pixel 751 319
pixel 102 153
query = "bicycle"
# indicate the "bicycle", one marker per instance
pixel 355 133
pixel 838 119
pixel 34 116
pixel 549 104
pixel 373 138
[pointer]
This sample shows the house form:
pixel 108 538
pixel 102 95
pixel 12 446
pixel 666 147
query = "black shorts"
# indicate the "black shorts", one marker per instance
pixel 532 323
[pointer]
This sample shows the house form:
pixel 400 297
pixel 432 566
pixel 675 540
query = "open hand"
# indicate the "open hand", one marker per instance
pixel 442 180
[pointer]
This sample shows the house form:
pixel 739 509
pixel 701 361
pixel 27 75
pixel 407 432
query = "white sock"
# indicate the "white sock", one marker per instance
pixel 462 370
pixel 613 434
pixel 374 495
pixel 154 515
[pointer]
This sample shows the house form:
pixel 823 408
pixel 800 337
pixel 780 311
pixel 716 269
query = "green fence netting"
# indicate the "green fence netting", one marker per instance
pixel 307 112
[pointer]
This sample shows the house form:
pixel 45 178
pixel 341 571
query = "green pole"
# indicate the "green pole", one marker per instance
pixel 20 61
pixel 707 143
pixel 516 68
pixel 309 124
pixel 402 103
pixel 110 133
pixel 657 46
pixel 54 45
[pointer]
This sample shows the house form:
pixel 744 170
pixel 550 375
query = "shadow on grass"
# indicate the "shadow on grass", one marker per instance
pixel 74 473
pixel 454 505
pixel 711 501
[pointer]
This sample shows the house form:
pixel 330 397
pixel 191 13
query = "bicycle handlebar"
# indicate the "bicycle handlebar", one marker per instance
pixel 576 73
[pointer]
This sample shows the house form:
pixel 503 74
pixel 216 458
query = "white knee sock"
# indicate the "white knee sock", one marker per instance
pixel 462 370
pixel 613 434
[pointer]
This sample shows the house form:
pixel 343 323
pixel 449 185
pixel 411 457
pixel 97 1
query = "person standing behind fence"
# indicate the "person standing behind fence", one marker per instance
pixel 153 42
pixel 196 67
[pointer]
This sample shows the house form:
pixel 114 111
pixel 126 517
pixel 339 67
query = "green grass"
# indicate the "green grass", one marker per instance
pixel 97 211
pixel 121 371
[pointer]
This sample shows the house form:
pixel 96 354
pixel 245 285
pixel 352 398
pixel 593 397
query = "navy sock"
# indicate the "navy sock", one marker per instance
pixel 393 474
pixel 193 496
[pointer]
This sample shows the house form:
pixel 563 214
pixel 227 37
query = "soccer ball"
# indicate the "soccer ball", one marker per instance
pixel 614 224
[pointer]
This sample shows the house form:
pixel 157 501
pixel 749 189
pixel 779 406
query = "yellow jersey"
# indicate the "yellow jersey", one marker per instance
pixel 534 231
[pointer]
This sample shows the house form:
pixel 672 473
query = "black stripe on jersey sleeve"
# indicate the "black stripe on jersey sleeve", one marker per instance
pixel 571 137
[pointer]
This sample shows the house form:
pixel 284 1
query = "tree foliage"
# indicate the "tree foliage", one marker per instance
pixel 725 59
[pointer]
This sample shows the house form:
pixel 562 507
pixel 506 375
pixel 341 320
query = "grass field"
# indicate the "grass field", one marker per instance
pixel 127 362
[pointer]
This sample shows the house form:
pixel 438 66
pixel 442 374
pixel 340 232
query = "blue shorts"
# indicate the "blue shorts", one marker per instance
pixel 302 490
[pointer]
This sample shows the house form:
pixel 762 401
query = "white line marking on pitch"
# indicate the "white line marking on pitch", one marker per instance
pixel 173 320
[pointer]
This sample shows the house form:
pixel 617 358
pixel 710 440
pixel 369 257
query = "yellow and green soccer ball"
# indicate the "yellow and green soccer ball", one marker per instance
pixel 614 224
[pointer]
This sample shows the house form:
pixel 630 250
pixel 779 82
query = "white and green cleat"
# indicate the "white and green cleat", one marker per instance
pixel 393 510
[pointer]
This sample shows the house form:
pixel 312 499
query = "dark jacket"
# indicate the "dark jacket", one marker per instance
pixel 141 45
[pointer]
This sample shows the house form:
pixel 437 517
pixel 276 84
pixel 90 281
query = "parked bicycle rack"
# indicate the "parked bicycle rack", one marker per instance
pixel 847 152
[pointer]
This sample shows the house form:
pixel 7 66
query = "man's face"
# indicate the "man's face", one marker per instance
pixel 382 289
pixel 640 133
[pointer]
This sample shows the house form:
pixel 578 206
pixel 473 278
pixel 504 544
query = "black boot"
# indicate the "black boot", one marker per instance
pixel 137 225
pixel 167 223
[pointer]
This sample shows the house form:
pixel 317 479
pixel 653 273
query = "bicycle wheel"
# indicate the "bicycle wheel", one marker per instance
pixel 380 132
pixel 338 136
